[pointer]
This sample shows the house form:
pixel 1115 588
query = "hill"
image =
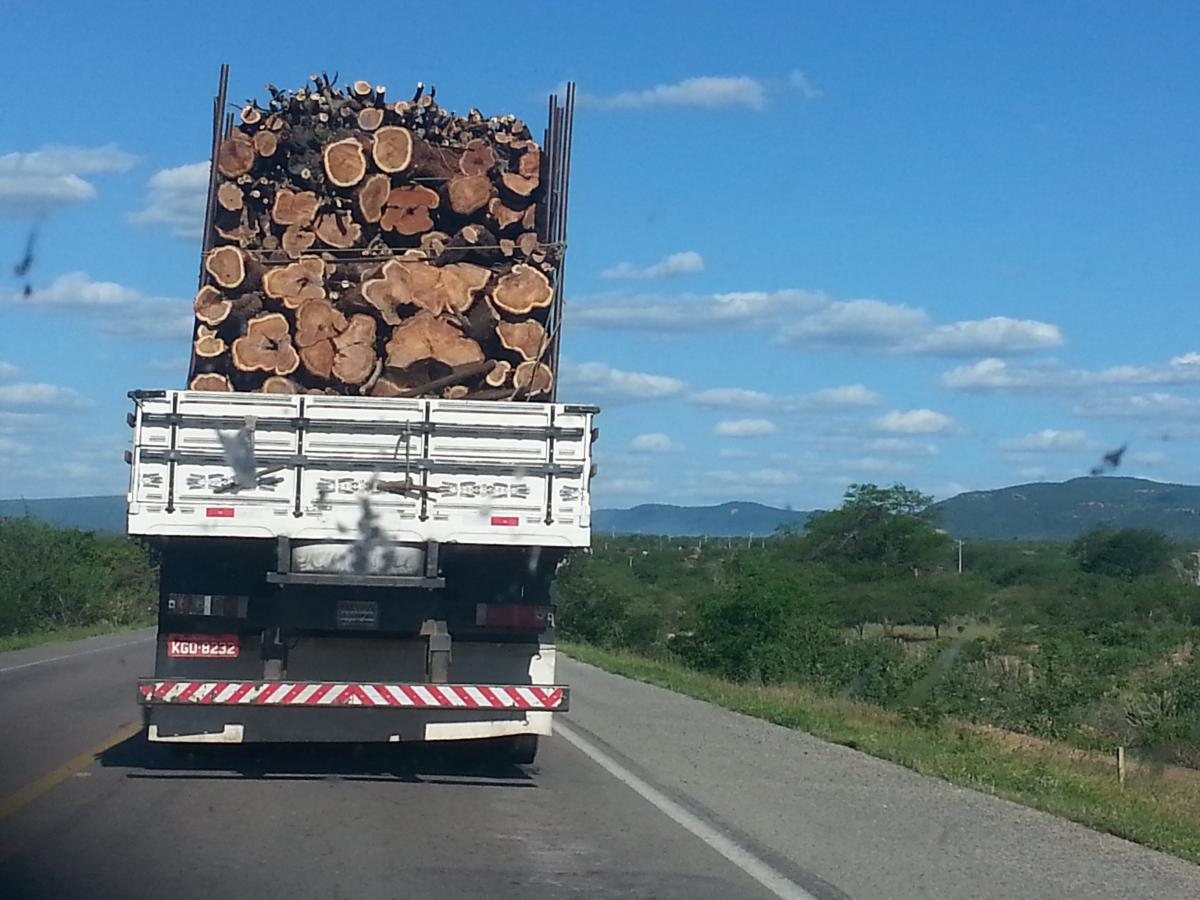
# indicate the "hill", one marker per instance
pixel 1065 510
pixel 86 513
pixel 732 519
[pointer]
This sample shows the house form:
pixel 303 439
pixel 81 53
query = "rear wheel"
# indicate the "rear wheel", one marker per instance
pixel 518 749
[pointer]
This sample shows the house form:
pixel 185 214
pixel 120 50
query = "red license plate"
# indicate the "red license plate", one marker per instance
pixel 202 646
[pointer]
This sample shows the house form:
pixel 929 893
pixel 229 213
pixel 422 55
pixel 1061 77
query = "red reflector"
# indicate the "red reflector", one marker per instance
pixel 505 520
pixel 202 646
pixel 219 512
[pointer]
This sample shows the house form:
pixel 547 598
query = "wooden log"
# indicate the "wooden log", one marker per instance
pixel 338 230
pixel 407 210
pixel 345 163
pixel 266 143
pixel 230 197
pixel 277 384
pixel 477 159
pixel 456 392
pixel 392 148
pixel 469 193
pixel 527 243
pixel 369 118
pixel 532 379
pixel 500 373
pixel 317 321
pixel 317 359
pixel 430 385
pixel 211 381
pixel 211 306
pixel 266 346
pixel 372 195
pixel 529 217
pixel 207 344
pixel 530 163
pixel 236 155
pixel 434 289
pixel 527 338
pixel 427 337
pixel 297 241
pixel 294 207
pixel 480 321
pixel 296 283
pixel 521 186
pixel 251 114
pixel 355 361
pixel 502 215
pixel 231 269
pixel 522 290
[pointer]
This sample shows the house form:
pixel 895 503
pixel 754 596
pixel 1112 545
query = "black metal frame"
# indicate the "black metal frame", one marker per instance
pixel 431 580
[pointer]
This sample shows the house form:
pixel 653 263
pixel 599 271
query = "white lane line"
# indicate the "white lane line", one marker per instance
pixel 765 874
pixel 42 662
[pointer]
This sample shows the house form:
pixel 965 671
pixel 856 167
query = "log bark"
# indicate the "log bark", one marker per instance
pixel 236 155
pixel 533 379
pixel 210 306
pixel 427 385
pixel 522 290
pixel 345 163
pixel 427 337
pixel 392 149
pixel 211 381
pixel 294 207
pixel 526 338
pixel 266 346
pixel 296 283
pixel 371 197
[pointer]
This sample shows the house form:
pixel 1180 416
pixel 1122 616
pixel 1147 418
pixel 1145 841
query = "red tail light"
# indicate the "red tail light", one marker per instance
pixel 496 615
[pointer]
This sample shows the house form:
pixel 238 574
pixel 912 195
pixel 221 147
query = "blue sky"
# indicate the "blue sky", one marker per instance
pixel 810 243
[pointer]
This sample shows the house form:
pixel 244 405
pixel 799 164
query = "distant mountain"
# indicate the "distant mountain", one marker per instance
pixel 1044 511
pixel 86 513
pixel 1065 510
pixel 726 520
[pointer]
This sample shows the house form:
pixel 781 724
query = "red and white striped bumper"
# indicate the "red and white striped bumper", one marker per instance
pixel 153 692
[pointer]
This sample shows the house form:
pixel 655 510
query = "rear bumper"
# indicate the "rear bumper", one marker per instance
pixel 331 695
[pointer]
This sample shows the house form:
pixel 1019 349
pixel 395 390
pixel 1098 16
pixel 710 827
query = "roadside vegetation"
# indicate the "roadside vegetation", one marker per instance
pixel 60 583
pixel 1051 651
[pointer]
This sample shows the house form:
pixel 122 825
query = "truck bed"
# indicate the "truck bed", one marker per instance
pixel 333 468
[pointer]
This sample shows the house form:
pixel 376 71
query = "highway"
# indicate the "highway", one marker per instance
pixel 644 793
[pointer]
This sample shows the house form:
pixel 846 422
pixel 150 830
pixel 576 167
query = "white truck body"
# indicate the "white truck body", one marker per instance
pixel 513 474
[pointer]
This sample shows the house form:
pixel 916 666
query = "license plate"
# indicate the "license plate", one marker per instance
pixel 208 646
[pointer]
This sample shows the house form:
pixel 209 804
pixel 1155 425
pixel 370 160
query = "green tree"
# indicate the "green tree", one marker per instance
pixel 1127 553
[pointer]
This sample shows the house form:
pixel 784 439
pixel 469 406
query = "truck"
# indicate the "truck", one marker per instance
pixel 356 567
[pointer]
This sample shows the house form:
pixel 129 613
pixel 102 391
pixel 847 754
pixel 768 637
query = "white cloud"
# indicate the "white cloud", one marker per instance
pixel 22 422
pixel 8 370
pixel 9 447
pixel 914 421
pixel 998 375
pixel 1038 472
pixel 43 180
pixel 689 262
pixel 598 380
pixel 121 311
pixel 758 477
pixel 802 318
pixel 744 428
pixel 36 394
pixel 708 91
pixel 802 84
pixel 1139 406
pixel 623 485
pixel 903 447
pixel 1148 457
pixel 850 396
pixel 175 199
pixel 1048 440
pixel 653 442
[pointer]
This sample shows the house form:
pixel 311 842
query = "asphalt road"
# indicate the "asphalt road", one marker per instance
pixel 645 794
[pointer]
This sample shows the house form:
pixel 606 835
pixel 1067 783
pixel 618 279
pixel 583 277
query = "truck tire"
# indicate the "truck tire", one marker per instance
pixel 519 749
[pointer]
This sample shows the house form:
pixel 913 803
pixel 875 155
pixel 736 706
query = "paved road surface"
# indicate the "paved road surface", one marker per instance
pixel 650 795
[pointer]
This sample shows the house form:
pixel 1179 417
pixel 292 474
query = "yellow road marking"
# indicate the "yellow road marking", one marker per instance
pixel 26 795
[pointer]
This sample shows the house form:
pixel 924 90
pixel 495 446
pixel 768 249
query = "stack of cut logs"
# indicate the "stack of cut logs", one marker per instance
pixel 361 246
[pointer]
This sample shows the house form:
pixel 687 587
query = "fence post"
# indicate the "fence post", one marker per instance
pixel 1121 766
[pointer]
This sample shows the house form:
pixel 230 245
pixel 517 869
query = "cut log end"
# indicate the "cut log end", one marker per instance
pixel 207 344
pixel 230 197
pixel 370 118
pixel 266 143
pixel 227 266
pixel 371 197
pixel 527 338
pixel 523 290
pixel 427 337
pixel 338 230
pixel 533 379
pixel 211 307
pixel 266 346
pixel 500 373
pixel 345 162
pixel 407 210
pixel 294 207
pixel 211 381
pixel 297 283
pixel 469 193
pixel 235 156
pixel 392 148
pixel 277 384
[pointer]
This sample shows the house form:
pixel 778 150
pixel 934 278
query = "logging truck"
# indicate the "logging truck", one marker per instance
pixel 359 502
